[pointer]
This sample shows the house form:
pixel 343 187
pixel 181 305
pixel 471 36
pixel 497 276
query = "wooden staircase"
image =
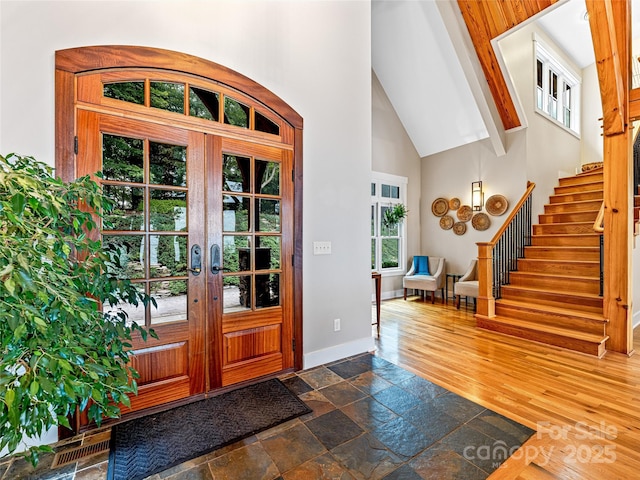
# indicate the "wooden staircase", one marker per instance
pixel 554 296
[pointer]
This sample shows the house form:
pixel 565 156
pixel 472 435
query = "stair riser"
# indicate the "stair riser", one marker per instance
pixel 577 196
pixel 563 190
pixel 589 205
pixel 581 179
pixel 562 228
pixel 549 318
pixel 596 349
pixel 556 267
pixel 570 241
pixel 591 305
pixel 584 217
pixel 567 253
pixel 591 286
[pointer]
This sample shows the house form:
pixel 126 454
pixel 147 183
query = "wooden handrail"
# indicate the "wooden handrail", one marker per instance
pixel 598 224
pixel 486 301
pixel 527 193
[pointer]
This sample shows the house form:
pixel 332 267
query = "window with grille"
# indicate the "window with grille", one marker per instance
pixel 388 242
pixel 557 90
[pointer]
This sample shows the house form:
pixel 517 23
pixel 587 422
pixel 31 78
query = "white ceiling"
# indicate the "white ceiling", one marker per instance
pixel 419 70
pixel 568 26
pixel 415 60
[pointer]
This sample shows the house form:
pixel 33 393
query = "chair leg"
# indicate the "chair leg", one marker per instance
pixel 405 293
pixel 458 302
pixel 433 296
pixel 444 299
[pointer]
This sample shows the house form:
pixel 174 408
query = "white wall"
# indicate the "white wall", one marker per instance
pixel 449 174
pixel 591 138
pixel 552 152
pixel 394 153
pixel 314 55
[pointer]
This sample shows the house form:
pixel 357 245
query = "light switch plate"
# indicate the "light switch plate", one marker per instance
pixel 322 248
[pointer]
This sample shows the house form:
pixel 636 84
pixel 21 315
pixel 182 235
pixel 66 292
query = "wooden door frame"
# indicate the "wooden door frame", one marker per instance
pixel 74 61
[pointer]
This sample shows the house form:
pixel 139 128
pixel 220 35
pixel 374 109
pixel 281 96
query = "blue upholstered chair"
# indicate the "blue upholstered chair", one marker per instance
pixel 426 274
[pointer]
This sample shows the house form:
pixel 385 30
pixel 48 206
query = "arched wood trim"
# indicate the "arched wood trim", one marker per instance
pixel 85 59
pixel 74 61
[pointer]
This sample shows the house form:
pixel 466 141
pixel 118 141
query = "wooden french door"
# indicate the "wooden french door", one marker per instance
pixel 204 224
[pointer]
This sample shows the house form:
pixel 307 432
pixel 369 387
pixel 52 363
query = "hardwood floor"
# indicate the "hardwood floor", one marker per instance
pixel 586 410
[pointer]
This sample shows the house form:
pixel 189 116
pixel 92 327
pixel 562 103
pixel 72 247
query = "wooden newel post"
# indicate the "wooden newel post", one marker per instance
pixel 486 302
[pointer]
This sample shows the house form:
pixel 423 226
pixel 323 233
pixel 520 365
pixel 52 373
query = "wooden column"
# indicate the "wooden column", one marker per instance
pixel 618 238
pixel 610 30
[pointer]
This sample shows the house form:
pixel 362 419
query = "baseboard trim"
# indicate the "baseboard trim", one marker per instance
pixel 337 352
pixel 400 294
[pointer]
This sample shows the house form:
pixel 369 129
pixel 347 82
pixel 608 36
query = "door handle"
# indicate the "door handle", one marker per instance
pixel 196 260
pixel 215 258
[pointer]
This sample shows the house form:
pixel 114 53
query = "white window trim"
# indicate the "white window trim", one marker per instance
pixel 552 58
pixel 402 182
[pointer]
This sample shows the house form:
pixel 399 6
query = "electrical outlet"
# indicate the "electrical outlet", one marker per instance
pixel 322 248
pixel 336 325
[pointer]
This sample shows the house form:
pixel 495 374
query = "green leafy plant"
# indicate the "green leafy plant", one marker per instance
pixel 60 349
pixel 395 215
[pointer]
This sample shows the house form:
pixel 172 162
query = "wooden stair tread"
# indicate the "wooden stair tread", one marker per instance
pixel 590 182
pixel 561 251
pixel 594 234
pixel 552 309
pixel 557 276
pixel 560 260
pixel 546 328
pixel 586 296
pixel 597 194
pixel 594 176
pixel 562 223
pixel 574 202
pixel 567 248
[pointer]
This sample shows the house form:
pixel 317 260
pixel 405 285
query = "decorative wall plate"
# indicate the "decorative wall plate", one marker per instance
pixel 446 222
pixel 496 205
pixel 465 213
pixel 439 207
pixel 459 228
pixel 481 221
pixel 454 203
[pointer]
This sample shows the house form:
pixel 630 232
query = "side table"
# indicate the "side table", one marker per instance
pixel 454 278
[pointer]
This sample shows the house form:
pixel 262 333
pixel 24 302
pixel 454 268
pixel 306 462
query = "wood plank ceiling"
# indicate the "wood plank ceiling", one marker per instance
pixel 487 20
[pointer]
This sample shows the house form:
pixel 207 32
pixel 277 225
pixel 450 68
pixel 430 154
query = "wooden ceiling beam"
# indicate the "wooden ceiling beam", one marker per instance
pixel 611 52
pixel 487 20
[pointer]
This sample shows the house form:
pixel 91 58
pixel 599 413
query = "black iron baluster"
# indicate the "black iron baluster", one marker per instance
pixel 510 247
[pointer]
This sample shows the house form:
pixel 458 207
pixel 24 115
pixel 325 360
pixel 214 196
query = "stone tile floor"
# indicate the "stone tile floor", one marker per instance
pixel 370 420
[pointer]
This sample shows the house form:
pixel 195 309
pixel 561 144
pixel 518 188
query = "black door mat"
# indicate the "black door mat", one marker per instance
pixel 154 443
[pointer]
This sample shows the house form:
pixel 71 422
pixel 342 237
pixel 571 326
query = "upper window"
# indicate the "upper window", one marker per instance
pixel 557 88
pixel 388 241
pixel 186 99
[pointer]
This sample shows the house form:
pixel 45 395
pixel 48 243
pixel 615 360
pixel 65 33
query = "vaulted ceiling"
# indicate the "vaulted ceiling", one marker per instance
pixel 422 55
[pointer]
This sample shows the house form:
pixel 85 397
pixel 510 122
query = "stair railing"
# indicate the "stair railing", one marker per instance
pixel 598 227
pixel 499 257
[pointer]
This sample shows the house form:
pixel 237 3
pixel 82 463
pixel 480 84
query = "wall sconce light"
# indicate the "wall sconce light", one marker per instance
pixel 477 195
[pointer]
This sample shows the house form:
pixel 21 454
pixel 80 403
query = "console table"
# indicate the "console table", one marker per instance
pixel 378 279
